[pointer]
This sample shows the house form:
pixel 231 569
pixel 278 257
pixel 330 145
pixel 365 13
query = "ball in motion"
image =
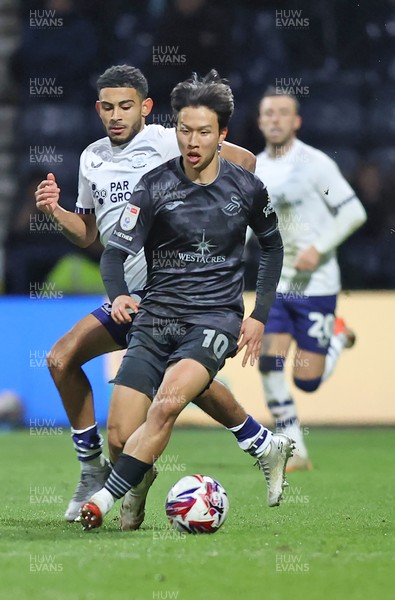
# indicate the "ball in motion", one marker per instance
pixel 197 504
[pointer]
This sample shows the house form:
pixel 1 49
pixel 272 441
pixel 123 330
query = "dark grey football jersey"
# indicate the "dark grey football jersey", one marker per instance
pixel 194 238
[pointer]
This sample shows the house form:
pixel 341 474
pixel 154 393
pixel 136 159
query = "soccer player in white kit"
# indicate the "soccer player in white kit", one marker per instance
pixel 317 210
pixel 109 170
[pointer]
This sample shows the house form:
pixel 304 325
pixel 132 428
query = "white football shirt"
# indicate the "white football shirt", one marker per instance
pixel 107 177
pixel 309 193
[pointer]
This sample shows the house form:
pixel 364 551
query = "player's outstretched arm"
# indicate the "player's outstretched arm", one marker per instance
pixel 81 230
pixel 270 264
pixel 239 156
pixel 263 221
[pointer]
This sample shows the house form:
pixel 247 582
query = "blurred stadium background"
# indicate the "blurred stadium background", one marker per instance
pixel 337 57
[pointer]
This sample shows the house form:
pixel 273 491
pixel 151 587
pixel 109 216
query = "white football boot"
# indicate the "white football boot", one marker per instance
pixel 273 463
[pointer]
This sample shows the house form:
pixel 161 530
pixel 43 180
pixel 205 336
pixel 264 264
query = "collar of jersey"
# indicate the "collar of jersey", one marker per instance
pixel 186 179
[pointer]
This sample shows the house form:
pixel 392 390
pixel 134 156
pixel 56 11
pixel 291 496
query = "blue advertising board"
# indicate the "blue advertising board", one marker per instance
pixel 29 328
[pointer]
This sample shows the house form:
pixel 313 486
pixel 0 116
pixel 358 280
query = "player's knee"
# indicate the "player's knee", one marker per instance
pixel 164 410
pixel 60 358
pixel 56 361
pixel 308 385
pixel 271 363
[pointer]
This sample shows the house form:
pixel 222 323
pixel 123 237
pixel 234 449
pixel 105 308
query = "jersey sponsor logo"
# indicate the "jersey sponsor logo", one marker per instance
pixel 123 235
pixel 268 209
pixel 129 217
pixel 119 191
pixel 202 247
pixel 98 195
pixel 233 207
pixel 96 166
pixel 173 205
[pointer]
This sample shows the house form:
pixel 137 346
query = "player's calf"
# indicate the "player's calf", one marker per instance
pixel 220 404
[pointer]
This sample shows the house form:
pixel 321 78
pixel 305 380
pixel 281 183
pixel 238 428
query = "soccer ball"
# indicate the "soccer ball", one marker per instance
pixel 197 504
pixel 11 410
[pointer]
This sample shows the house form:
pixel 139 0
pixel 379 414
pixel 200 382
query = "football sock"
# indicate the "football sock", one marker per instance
pixel 283 409
pixel 336 347
pixel 251 436
pixel 127 473
pixel 104 500
pixel 280 402
pixel 88 444
pixel 277 393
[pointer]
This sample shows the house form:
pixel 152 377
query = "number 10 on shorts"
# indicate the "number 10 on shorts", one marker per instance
pixel 219 342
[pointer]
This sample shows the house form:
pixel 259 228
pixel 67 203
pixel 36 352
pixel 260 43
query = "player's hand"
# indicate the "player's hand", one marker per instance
pixel 122 308
pixel 47 195
pixel 308 259
pixel 251 333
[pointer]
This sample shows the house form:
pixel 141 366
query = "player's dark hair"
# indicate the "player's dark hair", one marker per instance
pixel 281 91
pixel 124 76
pixel 210 91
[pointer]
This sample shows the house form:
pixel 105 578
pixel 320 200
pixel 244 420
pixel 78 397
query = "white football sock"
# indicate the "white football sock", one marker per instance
pixel 278 397
pixel 104 500
pixel 336 347
pixel 295 432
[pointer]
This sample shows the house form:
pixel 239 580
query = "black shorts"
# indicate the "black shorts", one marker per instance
pixel 151 351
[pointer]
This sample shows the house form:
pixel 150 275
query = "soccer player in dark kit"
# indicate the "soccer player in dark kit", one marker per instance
pixel 109 170
pixel 191 216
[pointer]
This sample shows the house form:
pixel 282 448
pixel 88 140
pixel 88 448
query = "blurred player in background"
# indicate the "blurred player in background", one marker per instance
pixel 109 170
pixel 195 208
pixel 317 210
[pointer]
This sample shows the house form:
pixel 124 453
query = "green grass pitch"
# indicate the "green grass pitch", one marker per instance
pixel 332 538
